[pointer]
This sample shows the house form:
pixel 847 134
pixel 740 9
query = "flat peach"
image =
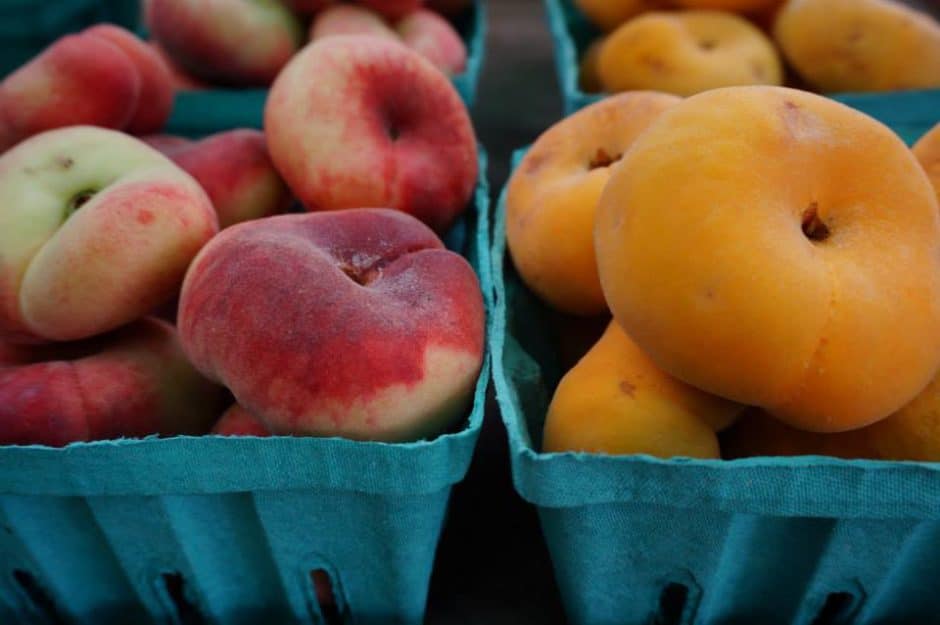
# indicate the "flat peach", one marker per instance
pixel 616 401
pixel 779 249
pixel 553 194
pixel 860 45
pixel 687 52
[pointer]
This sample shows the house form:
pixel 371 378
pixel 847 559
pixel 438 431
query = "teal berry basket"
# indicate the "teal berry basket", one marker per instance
pixel 636 540
pixel 905 111
pixel 27 26
pixel 203 112
pixel 230 530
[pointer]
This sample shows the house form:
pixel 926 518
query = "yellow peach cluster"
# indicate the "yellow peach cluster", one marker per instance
pixel 688 46
pixel 756 246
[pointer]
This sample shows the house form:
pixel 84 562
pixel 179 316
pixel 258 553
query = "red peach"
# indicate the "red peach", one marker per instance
pixel 180 80
pixel 133 382
pixel 431 36
pixel 156 83
pixel 63 87
pixel 96 229
pixel 229 42
pixel 352 323
pixel 393 9
pixel 166 143
pixel 358 121
pixel 239 422
pixel 235 170
pixel 348 19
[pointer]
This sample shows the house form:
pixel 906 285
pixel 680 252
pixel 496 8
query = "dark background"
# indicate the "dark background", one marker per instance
pixel 492 565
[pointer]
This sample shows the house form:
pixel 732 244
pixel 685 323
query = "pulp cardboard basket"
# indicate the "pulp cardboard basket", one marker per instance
pixel 203 112
pixel 28 26
pixel 571 31
pixel 229 531
pixel 636 540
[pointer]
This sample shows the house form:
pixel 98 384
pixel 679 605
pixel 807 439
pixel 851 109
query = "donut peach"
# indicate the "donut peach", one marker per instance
pixel 738 6
pixel 156 80
pixel 616 401
pixel 927 151
pixel 354 323
pixel 686 52
pixel 229 42
pixel 356 121
pixel 236 421
pixel 96 229
pixel 132 382
pixel 911 433
pixel 609 14
pixel 553 193
pixel 779 249
pixel 860 45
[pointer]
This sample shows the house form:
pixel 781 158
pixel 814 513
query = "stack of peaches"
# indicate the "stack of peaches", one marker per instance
pixel 148 283
pixel 688 46
pixel 770 259
pixel 243 43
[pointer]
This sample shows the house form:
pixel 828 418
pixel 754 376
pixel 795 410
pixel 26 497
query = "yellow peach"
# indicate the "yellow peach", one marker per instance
pixel 609 14
pixel 588 78
pixel 780 249
pixel 617 401
pixel 553 194
pixel 686 52
pixel 927 151
pixel 738 6
pixel 911 433
pixel 860 45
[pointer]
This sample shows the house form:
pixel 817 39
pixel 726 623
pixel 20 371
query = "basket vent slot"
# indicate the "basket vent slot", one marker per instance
pixel 325 597
pixel 187 613
pixel 38 596
pixel 672 602
pixel 837 610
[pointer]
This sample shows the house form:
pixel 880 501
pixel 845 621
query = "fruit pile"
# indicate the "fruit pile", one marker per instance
pixel 204 42
pixel 347 318
pixel 688 46
pixel 771 262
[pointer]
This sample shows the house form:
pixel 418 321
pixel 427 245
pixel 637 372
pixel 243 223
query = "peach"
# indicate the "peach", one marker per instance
pixel 616 401
pixel 353 323
pixel 860 45
pixel 349 19
pixel 156 82
pixel 393 9
pixel 236 421
pixel 553 194
pixel 927 151
pixel 235 170
pixel 180 80
pixel 133 382
pixel 431 36
pixel 96 229
pixel 609 14
pixel 911 433
pixel 739 6
pixel 588 78
pixel 229 42
pixel 60 87
pixel 357 121
pixel 779 249
pixel 687 52
pixel 425 32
